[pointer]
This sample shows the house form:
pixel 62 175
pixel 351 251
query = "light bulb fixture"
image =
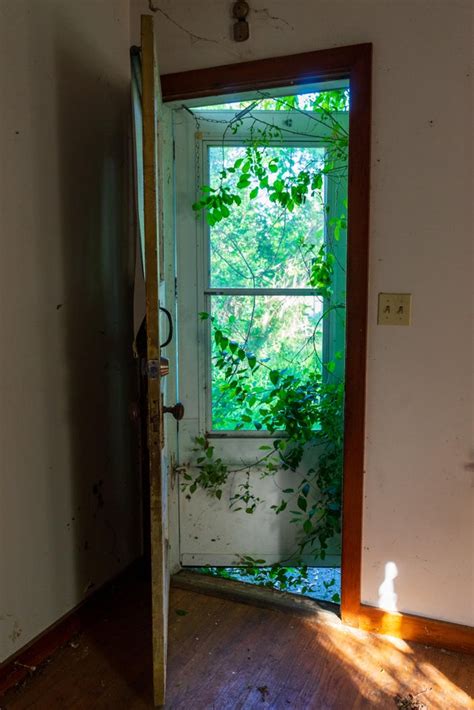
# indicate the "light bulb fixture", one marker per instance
pixel 240 10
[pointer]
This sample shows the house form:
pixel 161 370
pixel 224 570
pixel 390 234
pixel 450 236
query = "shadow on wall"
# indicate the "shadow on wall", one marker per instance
pixel 92 112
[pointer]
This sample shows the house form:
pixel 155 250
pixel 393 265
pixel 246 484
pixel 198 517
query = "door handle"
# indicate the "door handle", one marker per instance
pixel 170 327
pixel 177 411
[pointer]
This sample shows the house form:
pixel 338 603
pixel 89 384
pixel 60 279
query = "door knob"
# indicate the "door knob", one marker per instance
pixel 177 411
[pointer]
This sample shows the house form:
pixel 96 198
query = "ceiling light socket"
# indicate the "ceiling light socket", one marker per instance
pixel 240 10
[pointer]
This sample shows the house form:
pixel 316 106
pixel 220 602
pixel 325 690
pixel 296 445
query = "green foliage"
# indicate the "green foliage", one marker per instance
pixel 276 576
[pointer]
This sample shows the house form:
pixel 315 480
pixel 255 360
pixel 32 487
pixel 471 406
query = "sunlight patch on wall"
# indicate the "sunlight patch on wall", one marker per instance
pixel 387 594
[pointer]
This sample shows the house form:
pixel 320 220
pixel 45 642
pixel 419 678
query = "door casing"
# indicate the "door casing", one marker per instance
pixel 353 63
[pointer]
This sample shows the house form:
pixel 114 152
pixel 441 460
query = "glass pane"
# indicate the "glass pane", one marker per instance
pixel 282 332
pixel 260 244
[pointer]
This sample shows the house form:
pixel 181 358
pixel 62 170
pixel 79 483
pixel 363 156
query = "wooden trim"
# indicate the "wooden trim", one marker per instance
pixel 355 64
pixel 356 329
pixel 24 662
pixel 294 70
pixel 444 634
pixel 256 596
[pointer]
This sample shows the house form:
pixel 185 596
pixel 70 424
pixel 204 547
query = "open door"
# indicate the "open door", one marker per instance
pixel 152 143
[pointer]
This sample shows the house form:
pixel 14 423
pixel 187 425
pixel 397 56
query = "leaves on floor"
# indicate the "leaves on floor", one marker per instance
pixel 409 702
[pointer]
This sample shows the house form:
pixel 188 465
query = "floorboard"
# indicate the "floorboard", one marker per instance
pixel 225 655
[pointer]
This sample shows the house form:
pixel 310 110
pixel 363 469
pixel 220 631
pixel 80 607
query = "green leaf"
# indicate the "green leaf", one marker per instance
pixel 181 612
pixel 302 503
pixel 252 361
pixel 253 193
pixel 203 315
pixel 274 377
pixel 305 489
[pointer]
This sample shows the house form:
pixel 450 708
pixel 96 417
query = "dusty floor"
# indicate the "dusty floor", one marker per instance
pixel 226 655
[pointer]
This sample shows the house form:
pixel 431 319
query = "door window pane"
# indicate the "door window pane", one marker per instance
pixel 261 245
pixel 282 332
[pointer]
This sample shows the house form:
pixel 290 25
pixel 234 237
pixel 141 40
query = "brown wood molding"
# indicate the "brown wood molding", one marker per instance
pixel 24 662
pixel 444 634
pixel 293 70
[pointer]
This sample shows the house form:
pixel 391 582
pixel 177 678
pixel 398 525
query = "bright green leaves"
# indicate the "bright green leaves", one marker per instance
pixel 339 225
pixel 212 472
pixel 274 376
pixel 322 271
pixel 258 172
pixel 216 202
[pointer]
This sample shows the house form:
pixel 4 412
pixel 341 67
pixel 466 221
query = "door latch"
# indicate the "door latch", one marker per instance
pixel 177 410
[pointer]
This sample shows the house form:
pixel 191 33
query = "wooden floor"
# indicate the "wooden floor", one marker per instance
pixel 227 655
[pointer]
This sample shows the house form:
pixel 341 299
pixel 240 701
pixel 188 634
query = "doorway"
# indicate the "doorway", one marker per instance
pixel 240 82
pixel 261 311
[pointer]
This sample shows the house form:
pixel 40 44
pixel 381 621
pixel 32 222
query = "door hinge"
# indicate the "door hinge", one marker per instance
pixel 176 287
pixel 174 150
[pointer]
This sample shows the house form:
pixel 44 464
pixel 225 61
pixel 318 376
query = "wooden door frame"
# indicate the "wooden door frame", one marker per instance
pixel 353 63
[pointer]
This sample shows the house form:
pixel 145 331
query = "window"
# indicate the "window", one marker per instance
pixel 257 265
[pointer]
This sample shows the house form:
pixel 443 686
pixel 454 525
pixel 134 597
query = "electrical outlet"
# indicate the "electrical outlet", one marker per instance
pixel 394 309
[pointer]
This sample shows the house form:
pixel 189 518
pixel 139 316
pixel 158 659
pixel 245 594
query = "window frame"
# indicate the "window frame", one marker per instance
pixel 333 331
pixel 210 136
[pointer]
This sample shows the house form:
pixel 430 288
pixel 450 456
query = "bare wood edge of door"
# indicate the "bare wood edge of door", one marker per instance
pixel 158 547
pixel 256 596
pixel 353 62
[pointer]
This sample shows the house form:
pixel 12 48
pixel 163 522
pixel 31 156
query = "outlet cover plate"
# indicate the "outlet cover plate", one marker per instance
pixel 394 309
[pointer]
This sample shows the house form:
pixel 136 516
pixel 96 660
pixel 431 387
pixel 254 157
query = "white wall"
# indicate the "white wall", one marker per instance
pixel 419 487
pixel 69 508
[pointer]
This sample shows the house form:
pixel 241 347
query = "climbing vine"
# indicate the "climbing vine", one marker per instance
pixel 301 409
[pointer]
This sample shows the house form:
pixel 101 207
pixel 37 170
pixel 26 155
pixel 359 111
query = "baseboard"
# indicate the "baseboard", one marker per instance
pixel 24 662
pixel 409 627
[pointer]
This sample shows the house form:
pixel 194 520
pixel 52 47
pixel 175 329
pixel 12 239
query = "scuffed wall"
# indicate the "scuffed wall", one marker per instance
pixel 69 504
pixel 419 485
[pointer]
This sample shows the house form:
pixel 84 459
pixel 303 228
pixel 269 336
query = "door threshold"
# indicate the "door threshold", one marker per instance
pixel 257 596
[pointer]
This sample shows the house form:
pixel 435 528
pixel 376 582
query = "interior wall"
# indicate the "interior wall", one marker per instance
pixel 69 504
pixel 419 505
